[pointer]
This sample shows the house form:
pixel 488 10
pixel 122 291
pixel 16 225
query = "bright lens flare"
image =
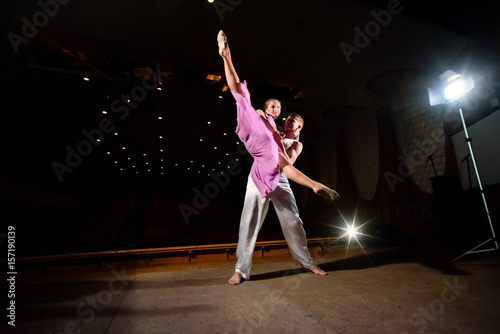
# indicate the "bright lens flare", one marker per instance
pixel 351 231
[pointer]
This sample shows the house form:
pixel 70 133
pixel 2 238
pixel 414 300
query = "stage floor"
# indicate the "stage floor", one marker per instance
pixel 396 290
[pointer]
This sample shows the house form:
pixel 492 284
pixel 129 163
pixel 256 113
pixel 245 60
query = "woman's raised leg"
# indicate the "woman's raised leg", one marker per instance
pixel 231 76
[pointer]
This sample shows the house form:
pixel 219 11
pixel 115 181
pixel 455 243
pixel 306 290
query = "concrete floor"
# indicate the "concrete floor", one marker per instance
pixel 397 290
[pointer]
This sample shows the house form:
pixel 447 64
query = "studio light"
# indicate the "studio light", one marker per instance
pixel 452 88
pixel 455 89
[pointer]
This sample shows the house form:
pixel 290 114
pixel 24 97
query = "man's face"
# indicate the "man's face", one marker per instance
pixel 291 124
pixel 273 108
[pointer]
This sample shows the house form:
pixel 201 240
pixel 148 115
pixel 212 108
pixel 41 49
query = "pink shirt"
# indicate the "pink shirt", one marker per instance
pixel 259 142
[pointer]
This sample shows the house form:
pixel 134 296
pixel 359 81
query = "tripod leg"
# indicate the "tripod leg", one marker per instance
pixel 473 250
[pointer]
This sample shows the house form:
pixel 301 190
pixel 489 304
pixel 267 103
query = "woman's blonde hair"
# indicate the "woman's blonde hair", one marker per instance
pixel 266 104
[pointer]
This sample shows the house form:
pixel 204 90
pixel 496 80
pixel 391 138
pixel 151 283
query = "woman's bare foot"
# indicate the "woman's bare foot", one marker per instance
pixel 222 41
pixel 315 269
pixel 235 279
pixel 326 192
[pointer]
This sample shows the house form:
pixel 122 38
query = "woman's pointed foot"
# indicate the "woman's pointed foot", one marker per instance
pixel 222 42
pixel 326 192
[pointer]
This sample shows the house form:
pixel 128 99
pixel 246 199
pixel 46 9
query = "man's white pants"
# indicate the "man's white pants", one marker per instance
pixel 253 215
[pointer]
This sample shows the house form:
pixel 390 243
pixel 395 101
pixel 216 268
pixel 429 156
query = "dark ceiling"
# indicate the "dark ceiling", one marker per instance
pixel 288 49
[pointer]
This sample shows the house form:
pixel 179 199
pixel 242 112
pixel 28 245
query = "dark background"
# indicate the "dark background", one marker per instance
pixel 130 197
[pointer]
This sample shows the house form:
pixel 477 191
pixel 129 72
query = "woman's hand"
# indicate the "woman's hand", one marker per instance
pixel 278 139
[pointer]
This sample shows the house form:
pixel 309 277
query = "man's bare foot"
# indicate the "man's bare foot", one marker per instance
pixel 235 279
pixel 315 269
pixel 326 192
pixel 222 41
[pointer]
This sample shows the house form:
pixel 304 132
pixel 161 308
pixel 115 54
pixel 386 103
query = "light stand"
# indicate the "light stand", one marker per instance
pixel 493 238
pixel 453 81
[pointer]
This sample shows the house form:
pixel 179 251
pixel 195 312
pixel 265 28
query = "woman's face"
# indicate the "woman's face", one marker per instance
pixel 273 108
